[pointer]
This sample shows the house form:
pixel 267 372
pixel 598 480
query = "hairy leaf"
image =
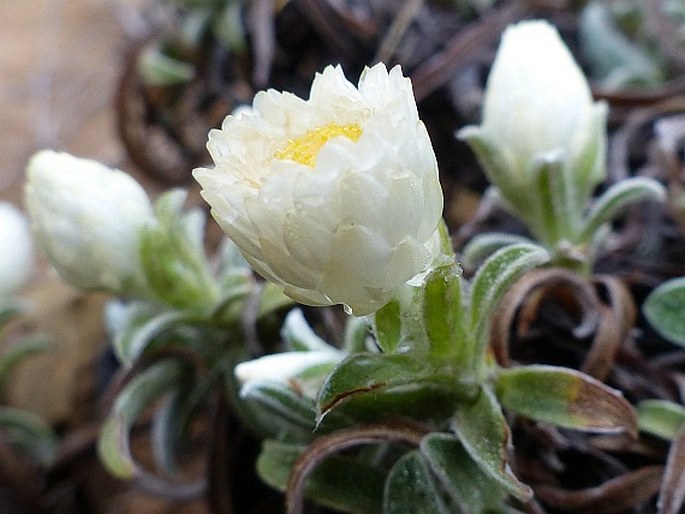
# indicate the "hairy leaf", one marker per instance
pixel 470 488
pixel 566 398
pixel 619 197
pixel 144 389
pixel 388 326
pixel 443 312
pixel 484 433
pixel 299 336
pixel 411 488
pixel 136 325
pixel 330 483
pixel 484 245
pixel 388 383
pixel 660 418
pixel 664 308
pixel 494 278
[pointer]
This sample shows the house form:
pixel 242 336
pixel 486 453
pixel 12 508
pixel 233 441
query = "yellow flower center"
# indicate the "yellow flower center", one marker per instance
pixel 304 149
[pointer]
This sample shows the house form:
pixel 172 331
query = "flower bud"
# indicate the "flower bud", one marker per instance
pixel 335 198
pixel 16 255
pixel 537 99
pixel 87 218
pixel 283 367
pixel 540 130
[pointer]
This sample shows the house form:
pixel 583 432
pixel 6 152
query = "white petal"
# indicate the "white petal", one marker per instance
pixel 353 227
pixel 16 257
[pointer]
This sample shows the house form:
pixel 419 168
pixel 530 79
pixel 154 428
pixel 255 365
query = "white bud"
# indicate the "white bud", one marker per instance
pixel 282 367
pixel 16 250
pixel 87 218
pixel 335 198
pixel 537 99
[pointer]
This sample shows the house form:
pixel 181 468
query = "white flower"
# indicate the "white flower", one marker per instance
pixel 337 197
pixel 282 367
pixel 16 258
pixel 87 219
pixel 537 99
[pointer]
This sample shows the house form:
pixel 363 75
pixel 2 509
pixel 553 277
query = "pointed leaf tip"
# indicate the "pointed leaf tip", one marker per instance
pixel 567 398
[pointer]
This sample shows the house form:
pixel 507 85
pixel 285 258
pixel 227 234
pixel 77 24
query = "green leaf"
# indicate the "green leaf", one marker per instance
pixel 230 258
pixel 228 27
pixel 159 69
pixel 446 248
pixel 341 483
pixel 565 397
pixel 377 384
pixel 484 433
pixel 554 214
pixel 501 172
pixel 483 246
pixel 275 462
pixel 173 257
pixel 28 433
pixel 136 325
pixel 617 198
pixel 588 167
pixel 411 488
pixel 613 58
pixel 18 352
pixel 388 326
pixel 9 309
pixel 664 308
pixel 401 326
pixel 144 389
pixel 167 431
pixel 114 449
pixel 279 412
pixel 272 299
pixel 443 312
pixel 357 332
pixel 494 278
pixel 660 418
pixel 469 487
pixel 299 336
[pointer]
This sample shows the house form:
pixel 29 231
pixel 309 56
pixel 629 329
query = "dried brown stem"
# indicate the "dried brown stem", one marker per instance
pixel 463 47
pixel 616 320
pixel 527 294
pixel 399 26
pixel 615 495
pixel 672 492
pixel 261 21
pixel 219 493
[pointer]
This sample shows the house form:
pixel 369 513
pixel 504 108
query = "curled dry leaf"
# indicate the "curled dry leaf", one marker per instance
pixel 615 495
pixel 672 492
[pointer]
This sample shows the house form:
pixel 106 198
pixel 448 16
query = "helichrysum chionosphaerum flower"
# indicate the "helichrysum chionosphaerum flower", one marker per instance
pixel 16 256
pixel 537 98
pixel 337 197
pixel 87 218
pixel 538 109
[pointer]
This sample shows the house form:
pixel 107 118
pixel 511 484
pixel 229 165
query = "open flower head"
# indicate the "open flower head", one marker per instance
pixel 87 218
pixel 336 197
pixel 16 257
